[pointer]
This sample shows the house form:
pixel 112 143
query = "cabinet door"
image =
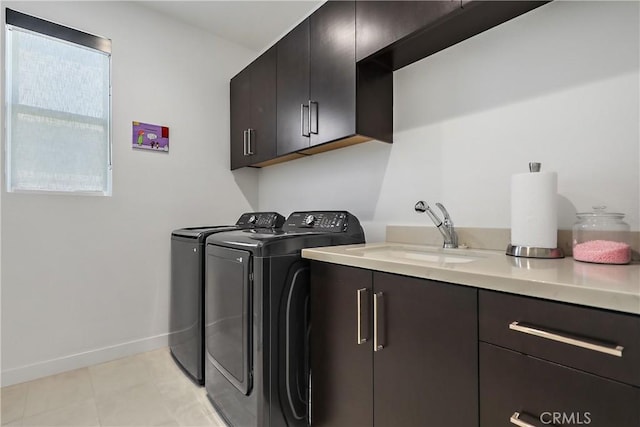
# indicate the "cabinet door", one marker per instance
pixel 261 145
pixel 382 23
pixel 545 393
pixel 333 72
pixel 253 112
pixel 341 368
pixel 293 90
pixel 426 373
pixel 240 92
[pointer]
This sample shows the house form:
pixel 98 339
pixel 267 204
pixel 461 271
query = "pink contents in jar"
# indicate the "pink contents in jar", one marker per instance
pixel 603 252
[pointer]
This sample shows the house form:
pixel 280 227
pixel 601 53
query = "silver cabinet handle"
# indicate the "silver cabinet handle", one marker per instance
pixel 244 142
pixel 515 419
pixel 360 338
pixel 612 349
pixel 249 148
pixel 311 103
pixel 378 311
pixel 302 132
pixel 309 113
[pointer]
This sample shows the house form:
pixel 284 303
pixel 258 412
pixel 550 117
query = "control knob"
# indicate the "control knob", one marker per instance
pixel 309 220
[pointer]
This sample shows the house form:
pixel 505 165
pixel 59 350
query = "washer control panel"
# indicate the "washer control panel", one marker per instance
pixel 260 220
pixel 326 221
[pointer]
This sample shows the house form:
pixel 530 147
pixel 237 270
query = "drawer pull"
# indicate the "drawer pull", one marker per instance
pixel 515 420
pixel 614 350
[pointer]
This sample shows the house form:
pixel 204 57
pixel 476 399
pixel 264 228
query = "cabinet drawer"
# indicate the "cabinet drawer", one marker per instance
pixel 572 335
pixel 545 393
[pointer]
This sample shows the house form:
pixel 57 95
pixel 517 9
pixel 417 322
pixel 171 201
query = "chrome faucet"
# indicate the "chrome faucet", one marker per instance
pixel 445 227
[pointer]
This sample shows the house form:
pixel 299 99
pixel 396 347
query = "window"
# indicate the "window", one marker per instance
pixel 58 110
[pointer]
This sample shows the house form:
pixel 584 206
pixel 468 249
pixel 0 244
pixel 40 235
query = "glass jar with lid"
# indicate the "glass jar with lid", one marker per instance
pixel 601 237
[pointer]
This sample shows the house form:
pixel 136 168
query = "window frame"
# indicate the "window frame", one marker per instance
pixel 28 23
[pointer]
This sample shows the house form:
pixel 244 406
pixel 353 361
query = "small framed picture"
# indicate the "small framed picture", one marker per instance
pixel 150 137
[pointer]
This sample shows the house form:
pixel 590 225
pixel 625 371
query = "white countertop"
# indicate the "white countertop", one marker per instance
pixel 614 287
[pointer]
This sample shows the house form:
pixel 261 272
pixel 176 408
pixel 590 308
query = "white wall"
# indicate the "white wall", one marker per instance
pixel 86 279
pixel 559 85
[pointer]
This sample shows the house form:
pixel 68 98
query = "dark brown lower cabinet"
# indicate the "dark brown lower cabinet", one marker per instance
pixel 516 387
pixel 389 350
pixel 342 370
pixel 395 351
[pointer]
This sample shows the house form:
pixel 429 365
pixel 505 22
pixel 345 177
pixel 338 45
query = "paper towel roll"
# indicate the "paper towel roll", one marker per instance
pixel 534 210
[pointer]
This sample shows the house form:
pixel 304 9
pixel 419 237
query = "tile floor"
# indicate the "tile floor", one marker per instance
pixel 146 389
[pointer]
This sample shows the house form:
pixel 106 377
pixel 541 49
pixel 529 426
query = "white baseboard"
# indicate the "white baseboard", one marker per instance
pixel 80 360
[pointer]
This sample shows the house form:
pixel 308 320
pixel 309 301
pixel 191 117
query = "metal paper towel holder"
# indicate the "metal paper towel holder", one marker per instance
pixel 532 252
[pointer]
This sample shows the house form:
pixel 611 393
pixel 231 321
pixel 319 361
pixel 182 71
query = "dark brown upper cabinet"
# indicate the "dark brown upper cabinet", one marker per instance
pixel 329 82
pixel 381 23
pixel 332 72
pixel 253 112
pixel 293 90
pixel 323 97
pixel 400 33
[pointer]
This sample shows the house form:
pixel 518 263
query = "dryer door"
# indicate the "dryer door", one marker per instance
pixel 228 314
pixel 294 345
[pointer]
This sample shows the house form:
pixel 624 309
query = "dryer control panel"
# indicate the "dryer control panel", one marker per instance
pixel 260 220
pixel 325 221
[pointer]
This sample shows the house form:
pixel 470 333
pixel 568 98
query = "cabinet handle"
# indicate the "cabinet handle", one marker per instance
pixel 378 316
pixel 515 420
pixel 309 402
pixel 361 339
pixel 302 132
pixel 249 149
pixel 612 349
pixel 244 142
pixel 315 132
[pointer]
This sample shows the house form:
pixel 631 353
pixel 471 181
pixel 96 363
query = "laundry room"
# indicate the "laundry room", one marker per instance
pixel 93 325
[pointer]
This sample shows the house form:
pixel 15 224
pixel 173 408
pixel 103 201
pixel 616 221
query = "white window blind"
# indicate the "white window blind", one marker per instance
pixel 58 114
